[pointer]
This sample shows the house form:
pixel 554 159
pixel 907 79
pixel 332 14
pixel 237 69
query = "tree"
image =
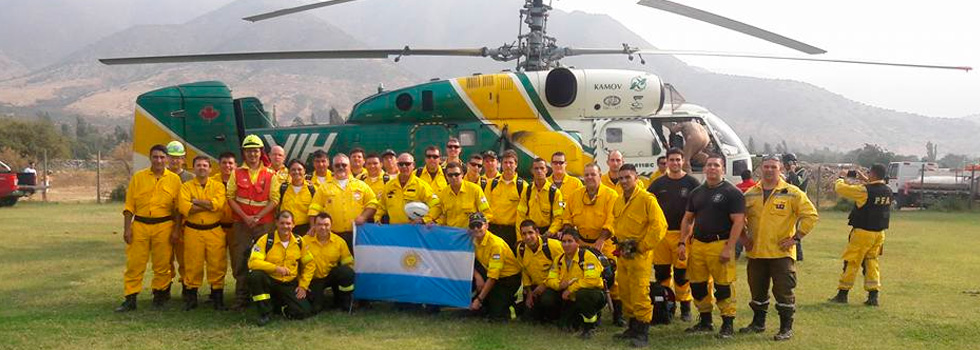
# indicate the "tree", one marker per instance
pixel 297 121
pixel 954 161
pixel 766 148
pixel 930 151
pixel 872 154
pixel 30 137
pixel 751 145
pixel 335 117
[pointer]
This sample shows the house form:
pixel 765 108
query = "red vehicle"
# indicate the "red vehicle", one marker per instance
pixel 9 192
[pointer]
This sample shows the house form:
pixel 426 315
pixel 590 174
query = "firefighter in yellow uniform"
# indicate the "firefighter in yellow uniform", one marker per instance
pixel 611 178
pixel 869 220
pixel 349 201
pixel 334 265
pixel 542 202
pixel 773 211
pixel 151 200
pixel 280 271
pixel 202 203
pixel 404 189
pixel 321 168
pixel 535 254
pixel 497 275
pixel 590 210
pixel 560 177
pixel 176 157
pixel 714 218
pixel 375 176
pixel 432 173
pixel 504 193
pixel 575 279
pixel 277 160
pixel 458 200
pixel 225 173
pixel 295 195
pixel 639 226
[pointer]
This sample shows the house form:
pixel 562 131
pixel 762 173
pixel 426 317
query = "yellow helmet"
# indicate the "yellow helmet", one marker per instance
pixel 252 141
pixel 176 149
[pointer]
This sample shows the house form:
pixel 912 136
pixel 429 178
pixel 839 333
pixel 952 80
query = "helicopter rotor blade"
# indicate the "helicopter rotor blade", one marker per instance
pixel 708 17
pixel 297 55
pixel 805 59
pixel 292 10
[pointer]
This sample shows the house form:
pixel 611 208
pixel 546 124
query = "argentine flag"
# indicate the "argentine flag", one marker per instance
pixel 413 264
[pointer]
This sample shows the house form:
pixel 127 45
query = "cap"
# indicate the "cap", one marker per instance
pixel 176 149
pixel 490 154
pixel 477 217
pixel 388 152
pixel 252 141
pixel 789 157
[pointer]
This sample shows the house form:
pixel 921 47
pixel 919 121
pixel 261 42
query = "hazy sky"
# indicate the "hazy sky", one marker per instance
pixel 935 32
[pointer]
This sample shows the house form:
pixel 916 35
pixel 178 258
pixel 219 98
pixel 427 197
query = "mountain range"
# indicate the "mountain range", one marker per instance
pixel 49 63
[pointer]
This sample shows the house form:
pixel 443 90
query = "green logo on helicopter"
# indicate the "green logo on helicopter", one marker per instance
pixel 638 83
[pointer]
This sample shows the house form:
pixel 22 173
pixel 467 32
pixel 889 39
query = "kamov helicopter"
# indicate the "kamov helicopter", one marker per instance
pixel 539 108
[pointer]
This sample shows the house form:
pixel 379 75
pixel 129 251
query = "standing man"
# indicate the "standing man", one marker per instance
pixel 799 177
pixel 590 210
pixel 402 190
pixel 868 221
pixel 611 178
pixel 334 266
pixel 778 215
pixel 432 173
pixel 453 151
pixel 536 253
pixel 202 203
pixel 575 280
pixel 717 211
pixel 747 181
pixel 249 195
pixel 177 157
pixel 542 202
pixel 505 193
pixel 226 167
pixel 672 192
pixel 277 157
pixel 639 226
pixel 349 201
pixel 150 201
pixel 389 161
pixel 321 168
pixel 280 268
pixel 473 169
pixel 497 277
pixel 357 163
pixel 375 176
pixel 491 167
pixel 296 196
pixel 559 175
pixel 459 200
pixel 661 168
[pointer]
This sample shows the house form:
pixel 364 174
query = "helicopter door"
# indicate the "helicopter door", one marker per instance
pixel 428 135
pixel 637 141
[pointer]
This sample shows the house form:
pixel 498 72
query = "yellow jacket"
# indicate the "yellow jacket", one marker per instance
pixel 290 257
pixel 504 199
pixel 329 255
pixel 590 216
pixel 297 203
pixel 150 197
pixel 856 192
pixel 392 201
pixel 437 182
pixel 377 184
pixel 536 264
pixel 496 257
pixel 343 204
pixel 773 220
pixel 226 214
pixel 213 191
pixel 639 219
pixel 454 209
pixel 588 274
pixel 568 185
pixel 606 180
pixel 539 209
pixel 315 180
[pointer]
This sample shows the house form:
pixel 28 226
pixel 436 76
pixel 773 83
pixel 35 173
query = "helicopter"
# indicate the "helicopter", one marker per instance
pixel 539 108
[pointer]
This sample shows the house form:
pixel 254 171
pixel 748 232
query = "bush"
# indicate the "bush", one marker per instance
pixel 843 204
pixel 118 194
pixel 950 204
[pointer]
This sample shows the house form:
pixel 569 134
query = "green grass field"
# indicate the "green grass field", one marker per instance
pixel 61 276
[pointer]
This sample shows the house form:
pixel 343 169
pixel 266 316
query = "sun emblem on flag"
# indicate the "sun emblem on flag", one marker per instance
pixel 411 260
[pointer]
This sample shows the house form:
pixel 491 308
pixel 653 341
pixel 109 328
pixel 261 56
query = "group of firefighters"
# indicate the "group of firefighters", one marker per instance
pixel 553 248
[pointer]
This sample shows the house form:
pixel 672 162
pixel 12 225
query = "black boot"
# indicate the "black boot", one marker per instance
pixel 840 298
pixel 218 298
pixel 758 324
pixel 265 315
pixel 617 316
pixel 190 299
pixel 686 311
pixel 160 298
pixel 629 333
pixel 129 304
pixel 588 330
pixel 704 324
pixel 785 326
pixel 166 295
pixel 642 337
pixel 344 302
pixel 872 298
pixel 727 327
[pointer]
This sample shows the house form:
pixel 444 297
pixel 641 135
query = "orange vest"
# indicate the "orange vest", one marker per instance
pixel 253 197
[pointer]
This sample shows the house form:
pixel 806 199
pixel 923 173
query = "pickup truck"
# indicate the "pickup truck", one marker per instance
pixel 9 190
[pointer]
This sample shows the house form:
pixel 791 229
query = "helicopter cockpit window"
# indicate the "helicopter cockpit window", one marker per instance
pixel 730 143
pixel 403 101
pixel 467 138
pixel 427 104
pixel 614 135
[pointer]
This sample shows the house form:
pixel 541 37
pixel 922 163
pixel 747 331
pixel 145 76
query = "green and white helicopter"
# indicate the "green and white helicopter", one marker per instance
pixel 540 108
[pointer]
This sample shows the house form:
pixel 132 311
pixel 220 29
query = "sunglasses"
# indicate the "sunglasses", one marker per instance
pixel 452 146
pixel 558 162
pixel 432 156
pixel 476 225
pixel 340 165
pixel 476 165
pixel 404 163
pixel 454 174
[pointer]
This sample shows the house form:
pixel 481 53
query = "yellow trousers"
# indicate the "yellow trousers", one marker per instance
pixel 675 269
pixel 202 248
pixel 150 243
pixel 633 278
pixel 863 249
pixel 704 264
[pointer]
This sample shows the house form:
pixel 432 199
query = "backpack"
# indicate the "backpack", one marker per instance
pixel 551 199
pixel 285 186
pixel 544 247
pixel 269 241
pixel 664 303
pixel 608 266
pixel 496 181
